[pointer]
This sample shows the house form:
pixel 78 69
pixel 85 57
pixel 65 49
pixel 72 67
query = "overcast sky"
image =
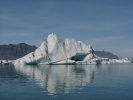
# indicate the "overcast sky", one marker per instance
pixel 105 24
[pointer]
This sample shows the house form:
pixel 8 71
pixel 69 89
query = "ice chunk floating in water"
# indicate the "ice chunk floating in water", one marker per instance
pixel 56 51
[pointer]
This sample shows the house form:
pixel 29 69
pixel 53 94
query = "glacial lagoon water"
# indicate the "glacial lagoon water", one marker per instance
pixel 67 82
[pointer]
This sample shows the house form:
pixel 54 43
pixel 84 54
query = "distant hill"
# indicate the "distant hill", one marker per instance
pixel 15 51
pixel 106 54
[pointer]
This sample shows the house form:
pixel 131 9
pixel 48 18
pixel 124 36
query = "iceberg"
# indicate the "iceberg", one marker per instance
pixel 111 61
pixel 54 51
pixel 6 61
pixel 57 51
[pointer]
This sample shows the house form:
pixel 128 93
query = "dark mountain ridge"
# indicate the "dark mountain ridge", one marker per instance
pixel 15 51
pixel 106 54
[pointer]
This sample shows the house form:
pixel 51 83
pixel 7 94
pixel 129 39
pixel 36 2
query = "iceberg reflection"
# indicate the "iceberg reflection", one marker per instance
pixel 60 78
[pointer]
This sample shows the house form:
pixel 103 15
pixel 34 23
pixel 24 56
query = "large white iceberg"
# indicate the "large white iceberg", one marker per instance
pixel 56 51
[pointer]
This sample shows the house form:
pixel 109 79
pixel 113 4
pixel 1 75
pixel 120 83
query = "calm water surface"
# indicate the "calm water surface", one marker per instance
pixel 66 82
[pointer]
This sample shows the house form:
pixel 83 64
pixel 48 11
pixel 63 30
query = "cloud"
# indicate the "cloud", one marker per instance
pixel 106 39
pixel 107 43
pixel 128 52
pixel 15 34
